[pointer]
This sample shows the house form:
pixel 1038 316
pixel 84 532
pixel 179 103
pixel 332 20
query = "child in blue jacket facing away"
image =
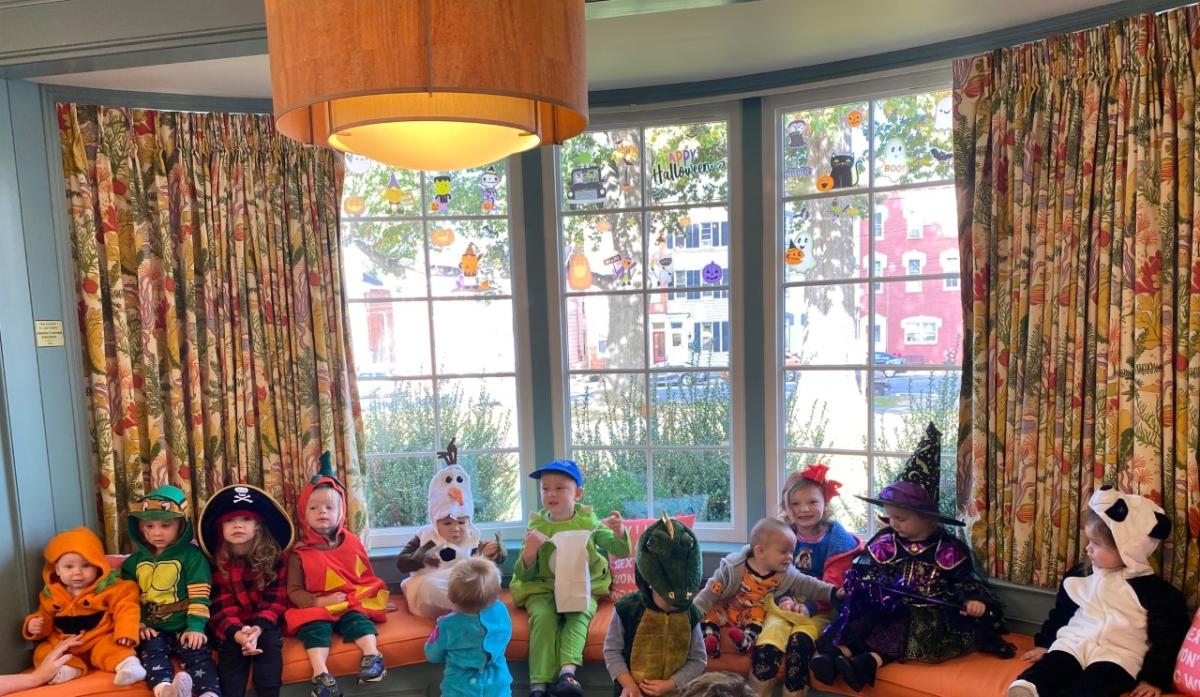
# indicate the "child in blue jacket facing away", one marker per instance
pixel 471 640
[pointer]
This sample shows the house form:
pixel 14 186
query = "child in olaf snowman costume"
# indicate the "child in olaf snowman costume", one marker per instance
pixel 449 537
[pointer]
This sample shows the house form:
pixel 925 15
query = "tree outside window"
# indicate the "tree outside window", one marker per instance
pixel 646 252
pixel 857 395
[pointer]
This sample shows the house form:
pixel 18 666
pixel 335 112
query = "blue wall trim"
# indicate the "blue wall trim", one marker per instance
pixel 152 100
pixel 944 50
pixel 538 292
pixel 754 240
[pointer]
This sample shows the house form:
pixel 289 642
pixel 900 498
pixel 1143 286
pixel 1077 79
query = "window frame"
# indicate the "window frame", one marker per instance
pixel 927 78
pixel 522 362
pixel 730 112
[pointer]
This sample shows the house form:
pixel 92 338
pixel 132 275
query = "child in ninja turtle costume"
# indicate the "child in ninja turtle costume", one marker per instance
pixel 654 644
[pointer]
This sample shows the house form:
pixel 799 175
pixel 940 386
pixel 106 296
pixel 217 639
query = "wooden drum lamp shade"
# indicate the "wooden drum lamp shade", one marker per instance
pixel 428 84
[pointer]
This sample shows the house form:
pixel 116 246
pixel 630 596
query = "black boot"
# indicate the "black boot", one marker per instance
pixel 799 651
pixel 858 671
pixel 823 668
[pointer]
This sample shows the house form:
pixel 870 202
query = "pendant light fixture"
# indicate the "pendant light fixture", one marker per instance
pixel 428 84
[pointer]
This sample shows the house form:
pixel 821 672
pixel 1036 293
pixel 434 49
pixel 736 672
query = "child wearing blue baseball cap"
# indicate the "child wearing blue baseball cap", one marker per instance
pixel 556 639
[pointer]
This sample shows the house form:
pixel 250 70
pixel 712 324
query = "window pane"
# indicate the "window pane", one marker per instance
pixel 602 169
pixel 391 339
pixel 689 329
pixel 480 412
pixel 474 336
pixel 397 416
pixel 615 480
pixel 478 191
pixel 689 240
pixel 495 485
pixel 911 399
pixel 825 238
pixel 603 252
pixel 470 257
pixel 608 409
pixel 917 224
pixel 889 469
pixel 823 325
pixel 851 471
pixel 373 189
pixel 384 259
pixel 688 163
pixel 693 481
pixel 827 409
pixel 397 490
pixel 913 138
pixel 918 327
pixel 825 149
pixel 606 331
pixel 690 408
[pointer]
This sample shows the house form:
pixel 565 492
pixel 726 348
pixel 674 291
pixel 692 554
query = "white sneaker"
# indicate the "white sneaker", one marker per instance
pixel 182 684
pixel 165 689
pixel 64 674
pixel 1022 688
pixel 129 671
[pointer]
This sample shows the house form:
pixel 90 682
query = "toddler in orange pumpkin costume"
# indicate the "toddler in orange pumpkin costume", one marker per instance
pixel 331 584
pixel 83 595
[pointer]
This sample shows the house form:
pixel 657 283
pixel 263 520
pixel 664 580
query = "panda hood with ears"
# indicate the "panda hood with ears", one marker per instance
pixel 1137 526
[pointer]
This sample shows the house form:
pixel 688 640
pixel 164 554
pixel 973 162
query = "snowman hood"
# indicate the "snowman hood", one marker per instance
pixel 450 489
pixel 1137 526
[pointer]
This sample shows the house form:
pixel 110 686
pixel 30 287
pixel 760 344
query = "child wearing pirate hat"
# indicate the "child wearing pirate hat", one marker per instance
pixel 246 534
pixel 914 594
pixel 175 583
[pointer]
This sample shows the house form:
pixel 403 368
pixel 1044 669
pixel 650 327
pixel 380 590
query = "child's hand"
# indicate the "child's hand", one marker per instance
pixel 787 605
pixel 625 691
pixel 193 640
pixel 57 658
pixel 145 633
pixel 36 624
pixel 533 542
pixel 1035 654
pixel 491 550
pixel 613 522
pixel 840 594
pixel 1145 689
pixel 657 687
pixel 331 599
pixel 432 560
pixel 127 642
pixel 974 608
pixel 247 638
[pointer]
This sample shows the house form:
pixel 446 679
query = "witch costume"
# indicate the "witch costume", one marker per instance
pixel 905 597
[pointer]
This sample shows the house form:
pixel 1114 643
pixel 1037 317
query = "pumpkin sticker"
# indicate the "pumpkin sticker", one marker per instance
pixel 854 119
pixel 825 183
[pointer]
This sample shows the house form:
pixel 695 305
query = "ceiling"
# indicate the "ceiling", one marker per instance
pixel 677 45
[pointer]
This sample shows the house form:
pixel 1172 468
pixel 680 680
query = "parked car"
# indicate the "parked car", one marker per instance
pixel 885 358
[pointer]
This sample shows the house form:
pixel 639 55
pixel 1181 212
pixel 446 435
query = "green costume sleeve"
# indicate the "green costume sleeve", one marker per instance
pixel 198 577
pixel 610 543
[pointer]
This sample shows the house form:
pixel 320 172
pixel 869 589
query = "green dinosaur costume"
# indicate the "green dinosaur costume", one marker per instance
pixel 656 644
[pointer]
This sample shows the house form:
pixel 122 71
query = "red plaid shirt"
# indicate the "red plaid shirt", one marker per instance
pixel 237 601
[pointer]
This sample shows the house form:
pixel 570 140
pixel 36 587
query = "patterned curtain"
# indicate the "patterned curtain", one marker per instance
pixel 216 348
pixel 1076 175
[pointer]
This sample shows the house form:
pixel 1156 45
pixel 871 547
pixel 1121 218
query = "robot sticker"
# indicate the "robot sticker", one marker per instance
pixel 490 181
pixel 441 194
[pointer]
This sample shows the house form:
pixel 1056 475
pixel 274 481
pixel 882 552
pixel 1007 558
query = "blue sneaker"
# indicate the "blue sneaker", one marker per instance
pixel 371 669
pixel 324 685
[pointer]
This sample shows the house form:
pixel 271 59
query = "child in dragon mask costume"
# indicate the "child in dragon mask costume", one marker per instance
pixel 654 644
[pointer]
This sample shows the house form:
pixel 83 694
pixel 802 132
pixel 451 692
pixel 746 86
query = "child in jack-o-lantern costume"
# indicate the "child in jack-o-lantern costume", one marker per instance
pixel 654 644
pixel 331 584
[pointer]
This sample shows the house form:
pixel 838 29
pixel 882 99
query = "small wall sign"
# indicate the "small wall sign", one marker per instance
pixel 48 332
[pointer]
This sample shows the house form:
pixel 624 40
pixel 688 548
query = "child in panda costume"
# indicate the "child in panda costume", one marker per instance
pixel 449 537
pixel 1116 626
